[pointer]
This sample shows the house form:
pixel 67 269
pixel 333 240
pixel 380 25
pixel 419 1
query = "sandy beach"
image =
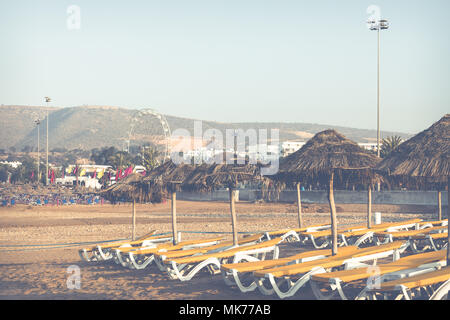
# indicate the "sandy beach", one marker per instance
pixel 39 244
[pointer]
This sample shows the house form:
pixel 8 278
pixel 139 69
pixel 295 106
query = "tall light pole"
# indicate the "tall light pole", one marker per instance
pixel 47 100
pixel 378 25
pixel 38 122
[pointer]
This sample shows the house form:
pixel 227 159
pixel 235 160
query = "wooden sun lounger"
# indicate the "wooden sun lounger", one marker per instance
pixel 185 268
pixel 297 231
pixel 389 236
pixel 235 273
pixel 140 258
pixel 163 255
pixel 358 281
pixel 297 275
pixel 356 235
pixel 434 240
pixel 102 252
pixel 434 285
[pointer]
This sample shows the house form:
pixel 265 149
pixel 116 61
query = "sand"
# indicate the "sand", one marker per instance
pixel 34 265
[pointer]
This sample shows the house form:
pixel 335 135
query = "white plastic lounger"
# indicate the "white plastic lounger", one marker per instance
pixel 434 285
pixel 356 235
pixel 354 283
pixel 293 277
pixel 140 258
pixel 241 273
pixel 186 268
pixel 102 252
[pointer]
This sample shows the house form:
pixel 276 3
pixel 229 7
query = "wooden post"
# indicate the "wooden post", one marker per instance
pixel 134 220
pixel 333 215
pixel 369 207
pixel 233 216
pixel 448 217
pixel 299 207
pixel 174 217
pixel 439 205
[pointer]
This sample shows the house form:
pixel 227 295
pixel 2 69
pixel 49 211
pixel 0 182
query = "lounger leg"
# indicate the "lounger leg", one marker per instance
pixel 195 270
pixel 104 255
pixel 84 255
pixel 235 275
pixel 139 266
pixel 365 239
pixel 335 287
pixel 297 284
pixel 262 288
pixel 120 259
pixel 442 291
pixel 323 245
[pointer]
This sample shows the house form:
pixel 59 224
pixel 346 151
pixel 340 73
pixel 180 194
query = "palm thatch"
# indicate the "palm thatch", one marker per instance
pixel 328 151
pixel 208 177
pixel 167 177
pixel 126 189
pixel 423 157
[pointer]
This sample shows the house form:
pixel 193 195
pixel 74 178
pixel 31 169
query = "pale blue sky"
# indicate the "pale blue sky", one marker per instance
pixel 234 60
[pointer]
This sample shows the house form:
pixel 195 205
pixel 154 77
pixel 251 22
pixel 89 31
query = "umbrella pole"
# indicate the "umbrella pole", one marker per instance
pixel 439 205
pixel 448 217
pixel 134 220
pixel 369 207
pixel 174 217
pixel 333 215
pixel 233 216
pixel 299 207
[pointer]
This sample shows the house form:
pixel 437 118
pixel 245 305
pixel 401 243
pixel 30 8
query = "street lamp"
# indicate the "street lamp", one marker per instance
pixel 378 26
pixel 38 122
pixel 47 100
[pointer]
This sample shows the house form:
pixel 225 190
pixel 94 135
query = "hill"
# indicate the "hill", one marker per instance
pixel 88 127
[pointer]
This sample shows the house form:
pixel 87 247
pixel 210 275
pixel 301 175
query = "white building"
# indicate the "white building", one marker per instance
pixel 288 147
pixel 368 146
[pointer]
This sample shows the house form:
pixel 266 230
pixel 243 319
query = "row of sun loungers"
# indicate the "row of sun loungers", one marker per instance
pixel 390 267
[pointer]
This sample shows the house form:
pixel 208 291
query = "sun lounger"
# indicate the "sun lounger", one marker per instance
pixel 389 236
pixel 433 285
pixel 185 268
pixel 101 252
pixel 221 246
pixel 355 282
pixel 140 258
pixel 432 240
pixel 241 273
pixel 295 276
pixel 356 235
pixel 296 236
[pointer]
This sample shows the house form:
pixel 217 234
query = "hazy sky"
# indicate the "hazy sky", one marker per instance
pixel 233 60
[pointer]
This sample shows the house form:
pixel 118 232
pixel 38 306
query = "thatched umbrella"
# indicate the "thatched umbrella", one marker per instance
pixel 326 156
pixel 127 188
pixel 206 178
pixel 424 157
pixel 167 178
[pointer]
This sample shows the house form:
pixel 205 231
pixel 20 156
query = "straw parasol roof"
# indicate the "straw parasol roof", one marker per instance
pixel 424 157
pixel 328 151
pixel 168 176
pixel 208 177
pixel 127 188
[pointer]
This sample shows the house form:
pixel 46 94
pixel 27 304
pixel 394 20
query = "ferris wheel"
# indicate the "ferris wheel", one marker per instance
pixel 149 125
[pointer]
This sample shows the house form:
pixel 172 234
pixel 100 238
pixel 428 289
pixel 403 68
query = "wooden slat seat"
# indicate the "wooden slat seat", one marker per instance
pixel 417 281
pixel 265 264
pixel 404 263
pixel 182 253
pixel 168 246
pixel 332 261
pixel 222 254
pixel 409 233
